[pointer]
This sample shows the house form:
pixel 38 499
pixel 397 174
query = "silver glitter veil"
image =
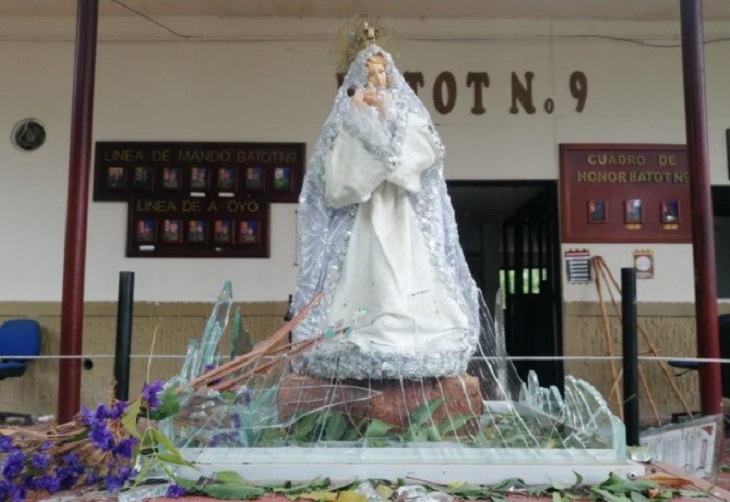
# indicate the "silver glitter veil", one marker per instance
pixel 324 232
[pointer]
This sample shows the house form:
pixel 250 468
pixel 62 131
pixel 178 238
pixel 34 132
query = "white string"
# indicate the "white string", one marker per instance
pixel 476 358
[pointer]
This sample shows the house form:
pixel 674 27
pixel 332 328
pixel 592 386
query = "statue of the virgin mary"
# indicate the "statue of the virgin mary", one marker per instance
pixel 378 237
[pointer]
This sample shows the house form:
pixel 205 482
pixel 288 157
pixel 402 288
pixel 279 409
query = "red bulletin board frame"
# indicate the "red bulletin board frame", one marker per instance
pixel 601 184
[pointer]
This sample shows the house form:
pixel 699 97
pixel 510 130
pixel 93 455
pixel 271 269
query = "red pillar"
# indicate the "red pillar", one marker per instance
pixel 703 237
pixel 74 260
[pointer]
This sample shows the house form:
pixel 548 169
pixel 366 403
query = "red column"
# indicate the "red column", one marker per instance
pixel 74 260
pixel 703 237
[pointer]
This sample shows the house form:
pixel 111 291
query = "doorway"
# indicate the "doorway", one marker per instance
pixel 721 223
pixel 509 231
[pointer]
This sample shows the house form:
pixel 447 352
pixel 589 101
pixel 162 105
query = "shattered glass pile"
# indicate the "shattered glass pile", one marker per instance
pixel 263 412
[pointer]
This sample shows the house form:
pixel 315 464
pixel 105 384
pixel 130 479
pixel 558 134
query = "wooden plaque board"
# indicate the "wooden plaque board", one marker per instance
pixel 180 226
pixel 624 193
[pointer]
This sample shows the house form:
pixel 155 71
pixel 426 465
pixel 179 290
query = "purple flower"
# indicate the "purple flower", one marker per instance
pixel 17 492
pixel 125 448
pixel 73 461
pixel 125 472
pixel 244 397
pixel 116 411
pixel 92 478
pixel 13 464
pixel 66 476
pixel 150 393
pixel 41 460
pixel 4 489
pixel 47 482
pixel 236 420
pixel 46 446
pixel 175 491
pixel 113 483
pixel 101 437
pixel 87 416
pixel 6 444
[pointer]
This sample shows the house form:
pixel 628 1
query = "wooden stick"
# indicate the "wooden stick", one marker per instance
pixel 229 384
pixel 278 335
pixel 662 364
pixel 645 384
pixel 609 338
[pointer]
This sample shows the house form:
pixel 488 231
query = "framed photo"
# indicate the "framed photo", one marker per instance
pixel 254 178
pixel 197 231
pixel 633 211
pixel 116 178
pixel 282 179
pixel 199 178
pixel 145 231
pixel 172 231
pixel 223 231
pixel 248 232
pixel 669 211
pixel 171 178
pixel 144 178
pixel 597 211
pixel 227 179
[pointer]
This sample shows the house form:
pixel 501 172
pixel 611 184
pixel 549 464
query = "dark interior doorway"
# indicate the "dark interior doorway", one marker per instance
pixel 509 231
pixel 721 223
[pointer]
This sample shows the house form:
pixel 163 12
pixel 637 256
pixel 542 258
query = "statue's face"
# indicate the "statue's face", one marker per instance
pixel 376 75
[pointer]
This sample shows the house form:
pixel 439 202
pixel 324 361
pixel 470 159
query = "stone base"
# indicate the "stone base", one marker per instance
pixel 388 400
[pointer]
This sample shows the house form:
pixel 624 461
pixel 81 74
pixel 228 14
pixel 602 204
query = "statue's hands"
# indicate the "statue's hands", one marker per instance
pixel 371 97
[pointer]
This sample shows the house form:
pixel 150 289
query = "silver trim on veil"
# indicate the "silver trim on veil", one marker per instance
pixel 324 232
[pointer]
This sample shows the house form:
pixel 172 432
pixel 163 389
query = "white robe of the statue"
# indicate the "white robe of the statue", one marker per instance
pixel 388 269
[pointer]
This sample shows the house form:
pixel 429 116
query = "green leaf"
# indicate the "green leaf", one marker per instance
pixel 229 477
pixel 694 493
pixel 425 411
pixel 377 429
pixel 186 484
pixel 355 432
pixel 170 455
pixel 433 433
pixel 335 427
pixel 169 405
pixel 610 497
pixel 316 484
pixel 305 427
pixel 232 491
pixel 578 480
pixel 639 497
pixel 454 424
pixel 617 484
pixel 129 419
pixel 174 459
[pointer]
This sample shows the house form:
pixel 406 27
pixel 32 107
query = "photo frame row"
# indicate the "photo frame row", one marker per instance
pixel 174 231
pixel 123 170
pixel 226 178
pixel 181 226
pixel 633 211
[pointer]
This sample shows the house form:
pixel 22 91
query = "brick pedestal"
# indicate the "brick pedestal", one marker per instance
pixel 391 400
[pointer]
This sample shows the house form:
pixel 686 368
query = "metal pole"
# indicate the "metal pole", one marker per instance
pixel 703 237
pixel 72 302
pixel 631 355
pixel 125 307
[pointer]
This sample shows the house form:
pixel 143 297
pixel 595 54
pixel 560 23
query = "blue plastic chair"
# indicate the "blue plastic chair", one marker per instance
pixel 18 337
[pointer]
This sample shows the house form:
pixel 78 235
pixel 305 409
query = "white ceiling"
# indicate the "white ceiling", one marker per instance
pixel 623 10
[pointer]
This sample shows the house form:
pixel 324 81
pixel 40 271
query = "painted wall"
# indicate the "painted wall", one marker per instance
pixel 273 80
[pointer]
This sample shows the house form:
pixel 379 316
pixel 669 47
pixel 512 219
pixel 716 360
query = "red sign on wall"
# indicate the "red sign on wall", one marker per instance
pixel 624 193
